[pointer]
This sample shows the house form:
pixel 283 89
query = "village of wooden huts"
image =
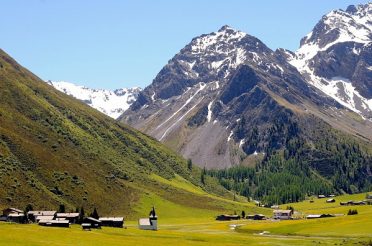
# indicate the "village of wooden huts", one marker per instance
pixel 55 219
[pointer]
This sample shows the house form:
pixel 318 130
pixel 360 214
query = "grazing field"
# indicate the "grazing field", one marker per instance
pixel 198 227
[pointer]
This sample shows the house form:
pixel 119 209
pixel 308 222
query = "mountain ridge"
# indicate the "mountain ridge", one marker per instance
pixel 336 57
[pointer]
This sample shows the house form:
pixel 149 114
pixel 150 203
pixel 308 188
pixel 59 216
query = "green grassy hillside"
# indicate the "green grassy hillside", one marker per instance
pixel 56 150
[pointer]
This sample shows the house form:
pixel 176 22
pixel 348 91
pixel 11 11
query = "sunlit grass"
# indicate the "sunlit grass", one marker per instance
pixel 182 226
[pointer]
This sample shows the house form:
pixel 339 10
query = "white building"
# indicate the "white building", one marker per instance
pixel 282 214
pixel 150 223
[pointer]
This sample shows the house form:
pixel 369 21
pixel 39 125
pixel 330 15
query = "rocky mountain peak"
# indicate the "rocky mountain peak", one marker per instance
pixel 207 58
pixel 216 41
pixel 336 57
pixel 361 9
pixel 354 24
pixel 210 95
pixel 226 27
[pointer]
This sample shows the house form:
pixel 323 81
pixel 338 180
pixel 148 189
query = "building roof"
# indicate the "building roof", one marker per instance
pixel 14 210
pixel 230 215
pixel 44 217
pixel 313 216
pixel 37 213
pixel 67 215
pixel 93 219
pixel 111 218
pixel 144 221
pixel 16 215
pixel 282 211
pixel 54 221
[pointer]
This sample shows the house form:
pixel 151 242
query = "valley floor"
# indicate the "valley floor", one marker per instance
pixel 343 230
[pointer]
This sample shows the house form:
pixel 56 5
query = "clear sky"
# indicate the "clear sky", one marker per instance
pixel 121 43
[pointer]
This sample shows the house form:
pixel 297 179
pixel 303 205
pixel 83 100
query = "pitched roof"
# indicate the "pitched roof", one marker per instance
pixel 282 211
pixel 111 218
pixel 54 221
pixel 44 217
pixel 68 215
pixel 37 213
pixel 16 215
pixel 313 216
pixel 13 210
pixel 93 219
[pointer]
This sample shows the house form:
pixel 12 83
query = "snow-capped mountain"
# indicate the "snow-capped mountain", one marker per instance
pixel 226 98
pixel 111 103
pixel 336 57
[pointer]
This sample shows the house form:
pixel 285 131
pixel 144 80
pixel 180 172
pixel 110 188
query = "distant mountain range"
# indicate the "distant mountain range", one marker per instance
pixel 112 103
pixel 227 99
pixel 335 57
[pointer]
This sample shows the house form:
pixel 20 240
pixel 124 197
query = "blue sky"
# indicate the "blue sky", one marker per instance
pixel 113 44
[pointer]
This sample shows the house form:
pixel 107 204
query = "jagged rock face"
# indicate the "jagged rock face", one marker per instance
pixel 336 57
pixel 112 103
pixel 205 59
pixel 226 97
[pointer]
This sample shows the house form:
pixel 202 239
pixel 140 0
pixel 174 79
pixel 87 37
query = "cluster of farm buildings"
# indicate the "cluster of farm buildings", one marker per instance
pixel 288 214
pixel 55 219
pixel 279 214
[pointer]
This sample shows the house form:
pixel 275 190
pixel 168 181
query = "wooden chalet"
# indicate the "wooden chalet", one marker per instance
pixel 282 214
pixel 36 216
pixel 91 223
pixel 351 203
pixel 8 211
pixel 112 221
pixel 224 217
pixel 13 215
pixel 319 216
pixel 255 217
pixel 72 218
pixel 330 200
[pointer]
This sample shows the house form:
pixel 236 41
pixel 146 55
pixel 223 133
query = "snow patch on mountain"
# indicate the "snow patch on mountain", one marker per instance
pixel 342 91
pixel 226 35
pixel 209 116
pixel 221 51
pixel 112 103
pixel 352 25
